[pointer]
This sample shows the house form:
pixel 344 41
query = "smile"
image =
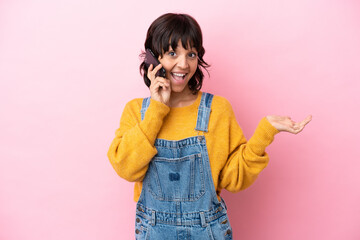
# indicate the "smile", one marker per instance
pixel 178 74
pixel 178 77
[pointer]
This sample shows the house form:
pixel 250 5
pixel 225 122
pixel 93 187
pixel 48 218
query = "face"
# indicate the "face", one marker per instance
pixel 180 65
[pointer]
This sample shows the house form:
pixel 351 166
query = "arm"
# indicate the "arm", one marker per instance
pixel 133 146
pixel 246 159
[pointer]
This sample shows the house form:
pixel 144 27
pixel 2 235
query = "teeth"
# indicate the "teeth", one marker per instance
pixel 179 74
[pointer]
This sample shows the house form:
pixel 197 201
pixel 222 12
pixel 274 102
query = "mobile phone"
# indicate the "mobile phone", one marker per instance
pixel 151 59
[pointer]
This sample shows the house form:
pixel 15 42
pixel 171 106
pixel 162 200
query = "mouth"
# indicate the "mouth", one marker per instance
pixel 178 77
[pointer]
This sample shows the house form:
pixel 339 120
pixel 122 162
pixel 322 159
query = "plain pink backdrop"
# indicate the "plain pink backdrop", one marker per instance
pixel 67 69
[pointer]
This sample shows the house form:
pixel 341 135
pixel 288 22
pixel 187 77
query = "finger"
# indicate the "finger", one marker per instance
pixel 167 85
pixel 153 72
pixel 299 129
pixel 293 130
pixel 296 128
pixel 149 73
pixel 155 86
pixel 157 68
pixel 300 126
pixel 159 83
pixel 163 80
pixel 303 122
pixel 165 88
pixel 306 121
pixel 293 123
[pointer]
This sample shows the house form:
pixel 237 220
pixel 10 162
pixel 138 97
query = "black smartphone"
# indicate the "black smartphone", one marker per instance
pixel 151 59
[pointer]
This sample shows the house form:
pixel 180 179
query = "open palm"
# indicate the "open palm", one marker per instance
pixel 285 124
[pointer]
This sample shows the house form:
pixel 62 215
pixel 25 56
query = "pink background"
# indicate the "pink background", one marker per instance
pixel 67 68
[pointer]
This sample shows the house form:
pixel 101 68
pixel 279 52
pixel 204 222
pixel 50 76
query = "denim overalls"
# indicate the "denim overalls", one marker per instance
pixel 178 198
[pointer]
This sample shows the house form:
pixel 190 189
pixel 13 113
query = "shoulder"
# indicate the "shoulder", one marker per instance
pixel 221 109
pixel 222 115
pixel 220 104
pixel 135 103
pixel 222 101
pixel 133 106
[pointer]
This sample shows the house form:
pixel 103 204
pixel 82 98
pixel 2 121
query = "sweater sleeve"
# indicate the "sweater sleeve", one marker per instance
pixel 246 159
pixel 133 146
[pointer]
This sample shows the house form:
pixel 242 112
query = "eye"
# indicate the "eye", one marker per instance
pixel 192 55
pixel 172 53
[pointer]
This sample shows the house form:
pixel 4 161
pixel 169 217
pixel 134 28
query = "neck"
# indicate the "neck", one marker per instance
pixel 181 99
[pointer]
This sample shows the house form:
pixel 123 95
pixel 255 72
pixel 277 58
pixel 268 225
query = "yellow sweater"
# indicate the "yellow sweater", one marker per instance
pixel 235 162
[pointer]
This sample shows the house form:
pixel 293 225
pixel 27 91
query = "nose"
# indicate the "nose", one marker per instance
pixel 183 62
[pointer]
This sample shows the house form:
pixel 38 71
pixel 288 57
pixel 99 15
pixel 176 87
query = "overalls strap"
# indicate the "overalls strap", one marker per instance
pixel 145 105
pixel 204 112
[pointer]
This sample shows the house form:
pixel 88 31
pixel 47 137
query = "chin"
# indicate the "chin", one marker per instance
pixel 179 89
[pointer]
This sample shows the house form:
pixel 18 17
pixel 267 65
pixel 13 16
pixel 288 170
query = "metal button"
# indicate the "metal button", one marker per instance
pixel 137 220
pixel 228 232
pixel 137 231
pixel 219 209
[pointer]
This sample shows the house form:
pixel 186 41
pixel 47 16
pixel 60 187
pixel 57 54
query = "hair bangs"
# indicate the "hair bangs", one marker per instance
pixel 179 31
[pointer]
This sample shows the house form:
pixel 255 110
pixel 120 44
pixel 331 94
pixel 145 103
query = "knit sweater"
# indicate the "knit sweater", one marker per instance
pixel 235 162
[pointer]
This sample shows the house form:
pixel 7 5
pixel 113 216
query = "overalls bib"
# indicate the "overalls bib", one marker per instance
pixel 178 198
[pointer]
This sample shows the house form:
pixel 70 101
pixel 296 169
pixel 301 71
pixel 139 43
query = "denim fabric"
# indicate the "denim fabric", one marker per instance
pixel 145 105
pixel 178 198
pixel 204 112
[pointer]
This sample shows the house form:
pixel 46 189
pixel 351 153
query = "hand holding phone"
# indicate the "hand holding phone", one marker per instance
pixel 160 88
pixel 151 59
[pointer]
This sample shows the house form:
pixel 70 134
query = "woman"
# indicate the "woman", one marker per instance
pixel 182 146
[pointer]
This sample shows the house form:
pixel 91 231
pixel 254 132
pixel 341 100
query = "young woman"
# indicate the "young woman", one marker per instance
pixel 182 146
